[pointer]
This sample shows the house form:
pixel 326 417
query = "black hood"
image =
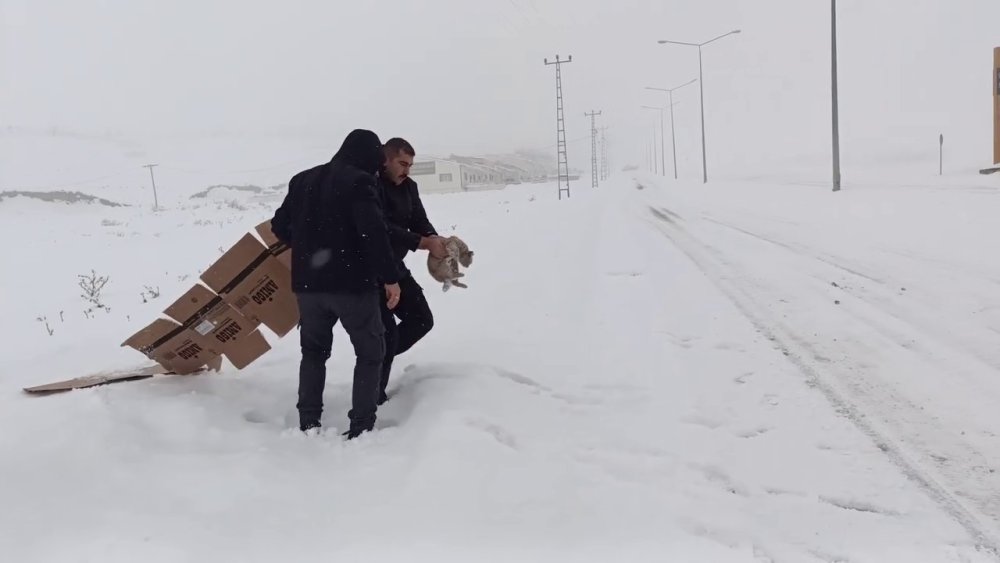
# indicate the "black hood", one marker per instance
pixel 363 149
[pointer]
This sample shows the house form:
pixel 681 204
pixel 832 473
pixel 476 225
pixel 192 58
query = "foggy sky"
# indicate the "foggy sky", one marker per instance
pixel 467 76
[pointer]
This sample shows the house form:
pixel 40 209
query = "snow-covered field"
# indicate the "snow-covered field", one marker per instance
pixel 743 371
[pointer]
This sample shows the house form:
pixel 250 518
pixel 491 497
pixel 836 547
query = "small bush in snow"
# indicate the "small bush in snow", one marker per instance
pixel 45 321
pixel 92 285
pixel 150 293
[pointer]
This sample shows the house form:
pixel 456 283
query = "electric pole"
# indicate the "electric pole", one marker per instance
pixel 836 108
pixel 941 156
pixel 604 153
pixel 156 203
pixel 593 147
pixel 652 155
pixel 663 162
pixel 562 160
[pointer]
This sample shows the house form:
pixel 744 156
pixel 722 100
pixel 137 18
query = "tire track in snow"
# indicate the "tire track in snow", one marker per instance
pixel 803 356
pixel 964 360
pixel 877 302
pixel 797 250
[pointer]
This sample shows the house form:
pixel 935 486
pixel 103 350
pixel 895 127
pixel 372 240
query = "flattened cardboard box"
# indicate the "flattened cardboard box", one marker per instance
pixel 219 327
pixel 173 347
pixel 101 378
pixel 98 379
pixel 278 249
pixel 253 281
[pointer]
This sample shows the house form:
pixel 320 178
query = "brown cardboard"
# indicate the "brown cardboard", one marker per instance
pixel 173 347
pixel 95 379
pixel 278 249
pixel 252 285
pixel 101 378
pixel 218 326
pixel 251 279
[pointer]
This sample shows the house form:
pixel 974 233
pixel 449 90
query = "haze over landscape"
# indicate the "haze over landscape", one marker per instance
pixel 756 368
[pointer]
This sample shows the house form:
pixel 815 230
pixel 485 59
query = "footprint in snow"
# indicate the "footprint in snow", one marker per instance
pixel 720 478
pixel 703 421
pixel 496 432
pixel 858 505
pixel 754 433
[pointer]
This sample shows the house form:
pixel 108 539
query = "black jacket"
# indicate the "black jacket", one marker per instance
pixel 406 217
pixel 333 221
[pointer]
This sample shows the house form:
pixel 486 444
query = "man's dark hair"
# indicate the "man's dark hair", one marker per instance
pixel 396 145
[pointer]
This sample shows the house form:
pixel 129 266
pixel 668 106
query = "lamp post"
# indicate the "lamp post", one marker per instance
pixel 663 163
pixel 673 136
pixel 836 102
pixel 701 81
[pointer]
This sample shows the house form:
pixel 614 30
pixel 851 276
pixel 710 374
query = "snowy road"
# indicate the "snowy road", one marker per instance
pixel 899 338
pixel 650 374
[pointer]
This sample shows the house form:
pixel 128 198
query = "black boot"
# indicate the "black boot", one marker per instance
pixel 355 432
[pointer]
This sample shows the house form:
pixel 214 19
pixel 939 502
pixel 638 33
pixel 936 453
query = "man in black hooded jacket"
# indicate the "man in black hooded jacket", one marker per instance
pixel 333 221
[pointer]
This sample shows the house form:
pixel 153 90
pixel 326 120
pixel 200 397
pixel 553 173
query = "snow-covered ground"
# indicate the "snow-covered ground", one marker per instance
pixel 734 372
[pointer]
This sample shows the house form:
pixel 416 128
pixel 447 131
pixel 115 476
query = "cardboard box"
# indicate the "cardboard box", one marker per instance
pixel 173 347
pixel 218 326
pixel 249 285
pixel 253 281
pixel 278 249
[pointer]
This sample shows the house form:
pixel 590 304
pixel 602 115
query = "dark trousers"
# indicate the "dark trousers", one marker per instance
pixel 361 317
pixel 415 319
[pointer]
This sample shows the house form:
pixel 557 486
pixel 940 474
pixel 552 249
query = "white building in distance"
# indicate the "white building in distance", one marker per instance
pixel 464 173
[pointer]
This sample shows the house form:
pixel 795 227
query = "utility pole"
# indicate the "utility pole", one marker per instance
pixel 701 84
pixel 836 102
pixel 941 156
pixel 673 136
pixel 663 161
pixel 156 202
pixel 996 105
pixel 562 160
pixel 605 173
pixel 652 154
pixel 593 147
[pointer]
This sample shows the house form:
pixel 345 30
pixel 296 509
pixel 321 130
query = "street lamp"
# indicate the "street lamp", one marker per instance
pixel 673 137
pixel 701 81
pixel 663 164
pixel 835 101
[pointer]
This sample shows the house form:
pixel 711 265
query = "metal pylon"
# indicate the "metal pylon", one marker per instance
pixel 593 147
pixel 604 153
pixel 563 161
